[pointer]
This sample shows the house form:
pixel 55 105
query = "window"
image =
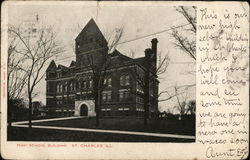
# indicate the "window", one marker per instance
pixel 60 88
pixel 109 96
pixel 106 96
pixel 59 101
pixel 124 95
pixel 108 82
pixel 71 86
pixel 66 86
pixel 103 113
pixel 140 100
pixel 79 84
pixel 123 111
pixel 127 80
pixel 64 100
pixel 84 84
pixel 74 86
pixel 71 100
pixel 77 45
pixel 90 84
pixel 121 96
pixel 124 80
pixel 106 112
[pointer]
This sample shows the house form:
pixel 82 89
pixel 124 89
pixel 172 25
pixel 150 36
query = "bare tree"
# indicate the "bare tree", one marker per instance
pixel 148 79
pixel 16 78
pixel 36 52
pixel 184 106
pixel 100 69
pixel 191 107
pixel 185 36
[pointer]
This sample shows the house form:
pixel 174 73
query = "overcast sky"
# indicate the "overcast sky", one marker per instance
pixel 137 21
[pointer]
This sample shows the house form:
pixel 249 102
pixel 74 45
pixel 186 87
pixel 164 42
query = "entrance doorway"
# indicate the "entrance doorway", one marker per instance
pixel 84 110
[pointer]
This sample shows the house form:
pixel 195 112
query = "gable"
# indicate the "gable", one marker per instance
pixel 52 66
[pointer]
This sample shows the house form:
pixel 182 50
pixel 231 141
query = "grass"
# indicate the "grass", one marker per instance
pixel 37 134
pixel 128 124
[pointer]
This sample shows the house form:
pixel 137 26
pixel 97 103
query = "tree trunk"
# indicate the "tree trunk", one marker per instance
pixel 30 110
pixel 96 98
pixel 10 112
pixel 97 113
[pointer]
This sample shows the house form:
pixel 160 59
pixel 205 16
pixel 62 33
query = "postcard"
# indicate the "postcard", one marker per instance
pixel 124 80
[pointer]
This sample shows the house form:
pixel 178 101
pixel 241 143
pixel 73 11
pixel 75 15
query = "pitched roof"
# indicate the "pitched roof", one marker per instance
pixel 52 66
pixel 141 61
pixel 91 28
pixel 72 64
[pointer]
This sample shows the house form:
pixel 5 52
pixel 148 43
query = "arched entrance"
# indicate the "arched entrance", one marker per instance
pixel 84 110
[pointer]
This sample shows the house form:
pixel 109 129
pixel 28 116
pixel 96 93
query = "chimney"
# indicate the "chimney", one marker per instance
pixel 154 45
pixel 154 49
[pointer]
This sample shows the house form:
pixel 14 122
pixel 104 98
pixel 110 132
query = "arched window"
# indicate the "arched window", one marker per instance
pixel 79 83
pixel 108 82
pixel 127 82
pixel 90 84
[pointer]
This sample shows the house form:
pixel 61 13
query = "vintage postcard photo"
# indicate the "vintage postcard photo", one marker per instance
pixel 95 75
pixel 110 80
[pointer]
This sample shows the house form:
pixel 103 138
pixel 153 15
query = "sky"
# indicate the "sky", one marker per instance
pixel 137 21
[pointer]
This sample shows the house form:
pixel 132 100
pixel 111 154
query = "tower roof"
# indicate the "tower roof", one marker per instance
pixel 91 28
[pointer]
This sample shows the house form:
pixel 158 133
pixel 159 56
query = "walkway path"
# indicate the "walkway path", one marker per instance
pixel 44 120
pixel 19 124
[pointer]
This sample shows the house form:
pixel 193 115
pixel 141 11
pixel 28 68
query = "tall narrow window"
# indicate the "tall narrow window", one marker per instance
pixel 121 95
pixel 71 86
pixel 90 84
pixel 109 82
pixel 58 88
pixel 127 82
pixel 109 96
pixel 66 86
pixel 84 84
pixel 79 84
pixel 122 80
pixel 104 98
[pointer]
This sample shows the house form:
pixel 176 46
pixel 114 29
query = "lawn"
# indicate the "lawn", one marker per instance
pixel 36 134
pixel 128 124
